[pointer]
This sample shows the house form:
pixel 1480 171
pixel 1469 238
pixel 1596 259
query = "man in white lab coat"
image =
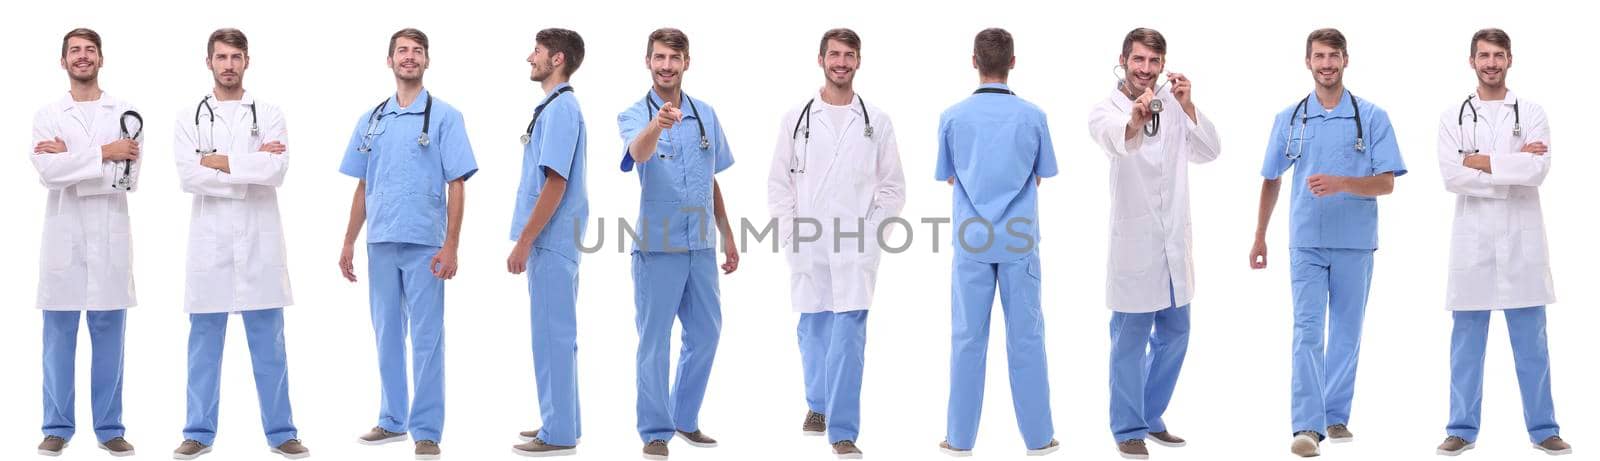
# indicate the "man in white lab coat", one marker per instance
pixel 1494 152
pixel 835 178
pixel 1150 241
pixel 231 155
pixel 86 150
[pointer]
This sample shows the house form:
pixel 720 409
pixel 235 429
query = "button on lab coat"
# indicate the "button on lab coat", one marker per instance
pixel 849 177
pixel 236 252
pixel 86 259
pixel 1151 244
pixel 1498 255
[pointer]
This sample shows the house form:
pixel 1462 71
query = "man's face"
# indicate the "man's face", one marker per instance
pixel 227 65
pixel 1491 62
pixel 82 61
pixel 1327 65
pixel 1144 66
pixel 408 59
pixel 666 65
pixel 839 63
pixel 542 62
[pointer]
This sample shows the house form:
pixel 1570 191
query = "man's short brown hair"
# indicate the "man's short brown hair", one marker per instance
pixel 411 34
pixel 843 35
pixel 83 33
pixel 563 41
pixel 1329 36
pixel 1147 37
pixel 994 50
pixel 672 38
pixel 1492 35
pixel 228 36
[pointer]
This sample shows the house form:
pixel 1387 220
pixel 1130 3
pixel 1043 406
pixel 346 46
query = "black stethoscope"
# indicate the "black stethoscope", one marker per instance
pixel 1154 125
pixel 125 182
pixel 528 135
pixel 1303 109
pixel 705 143
pixel 377 114
pixel 798 163
pixel 1516 130
pixel 211 113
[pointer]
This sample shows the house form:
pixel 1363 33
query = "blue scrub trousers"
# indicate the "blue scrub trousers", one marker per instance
pixel 553 296
pixel 833 347
pixel 1467 341
pixel 106 330
pixel 669 285
pixel 263 331
pixel 407 299
pixel 972 291
pixel 1147 351
pixel 1330 293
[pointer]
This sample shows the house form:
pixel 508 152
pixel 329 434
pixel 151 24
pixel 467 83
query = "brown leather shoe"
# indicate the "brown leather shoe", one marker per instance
pixel 1338 433
pixel 698 439
pixel 1453 446
pixel 1553 445
pixel 379 436
pixel 118 447
pixel 537 448
pixel 1133 449
pixel 292 449
pixel 846 449
pixel 427 450
pixel 190 449
pixel 52 446
pixel 655 450
pixel 1166 439
pixel 815 424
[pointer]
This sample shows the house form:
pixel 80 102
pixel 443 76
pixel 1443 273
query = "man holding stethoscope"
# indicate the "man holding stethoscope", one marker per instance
pixel 837 166
pixel 1344 155
pixel 86 150
pixel 231 155
pixel 1494 152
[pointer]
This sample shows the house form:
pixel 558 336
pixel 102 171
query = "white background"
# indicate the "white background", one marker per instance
pixel 323 63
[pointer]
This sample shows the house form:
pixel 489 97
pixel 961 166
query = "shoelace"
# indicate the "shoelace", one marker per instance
pixel 814 418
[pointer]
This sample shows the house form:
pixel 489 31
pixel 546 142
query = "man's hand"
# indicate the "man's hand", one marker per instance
pixel 50 146
pixel 1536 148
pixel 668 115
pixel 1323 185
pixel 215 162
pixel 517 263
pixel 274 147
pixel 122 149
pixel 730 261
pixel 1258 254
pixel 347 264
pixel 443 264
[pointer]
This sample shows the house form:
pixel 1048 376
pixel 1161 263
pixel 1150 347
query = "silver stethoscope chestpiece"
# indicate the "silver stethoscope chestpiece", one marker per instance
pixel 869 131
pixel 705 143
pixel 525 140
pixel 422 140
pixel 1155 106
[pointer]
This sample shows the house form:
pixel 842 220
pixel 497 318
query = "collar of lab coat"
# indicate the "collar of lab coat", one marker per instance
pixel 1511 98
pixel 68 105
pixel 854 105
pixel 1314 107
pixel 245 100
pixel 417 105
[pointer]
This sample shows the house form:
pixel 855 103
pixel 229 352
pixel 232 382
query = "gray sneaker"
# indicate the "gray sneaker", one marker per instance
pixel 656 450
pixel 1338 433
pixel 118 447
pixel 953 451
pixel 1553 446
pixel 52 446
pixel 1133 449
pixel 698 439
pixel 427 450
pixel 538 449
pixel 1305 445
pixel 1049 448
pixel 846 449
pixel 1166 439
pixel 379 436
pixel 190 449
pixel 1453 446
pixel 292 449
pixel 816 424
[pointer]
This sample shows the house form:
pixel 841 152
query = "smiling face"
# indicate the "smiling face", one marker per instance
pixel 1490 62
pixel 1144 66
pixel 408 58
pixel 543 63
pixel 1327 65
pixel 227 65
pixel 82 59
pixel 839 63
pixel 666 65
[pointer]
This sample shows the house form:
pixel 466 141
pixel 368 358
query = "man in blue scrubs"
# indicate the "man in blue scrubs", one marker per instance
pixel 678 147
pixel 407 152
pixel 552 205
pixel 1344 156
pixel 995 149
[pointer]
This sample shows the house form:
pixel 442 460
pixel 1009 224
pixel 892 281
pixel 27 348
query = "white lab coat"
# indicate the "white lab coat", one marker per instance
pixel 1498 255
pixel 236 259
pixel 847 177
pixel 86 258
pixel 1150 229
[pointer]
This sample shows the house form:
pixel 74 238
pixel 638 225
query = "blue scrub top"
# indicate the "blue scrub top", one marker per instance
pixel 675 187
pixel 995 144
pixel 559 143
pixel 405 180
pixel 1327 146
